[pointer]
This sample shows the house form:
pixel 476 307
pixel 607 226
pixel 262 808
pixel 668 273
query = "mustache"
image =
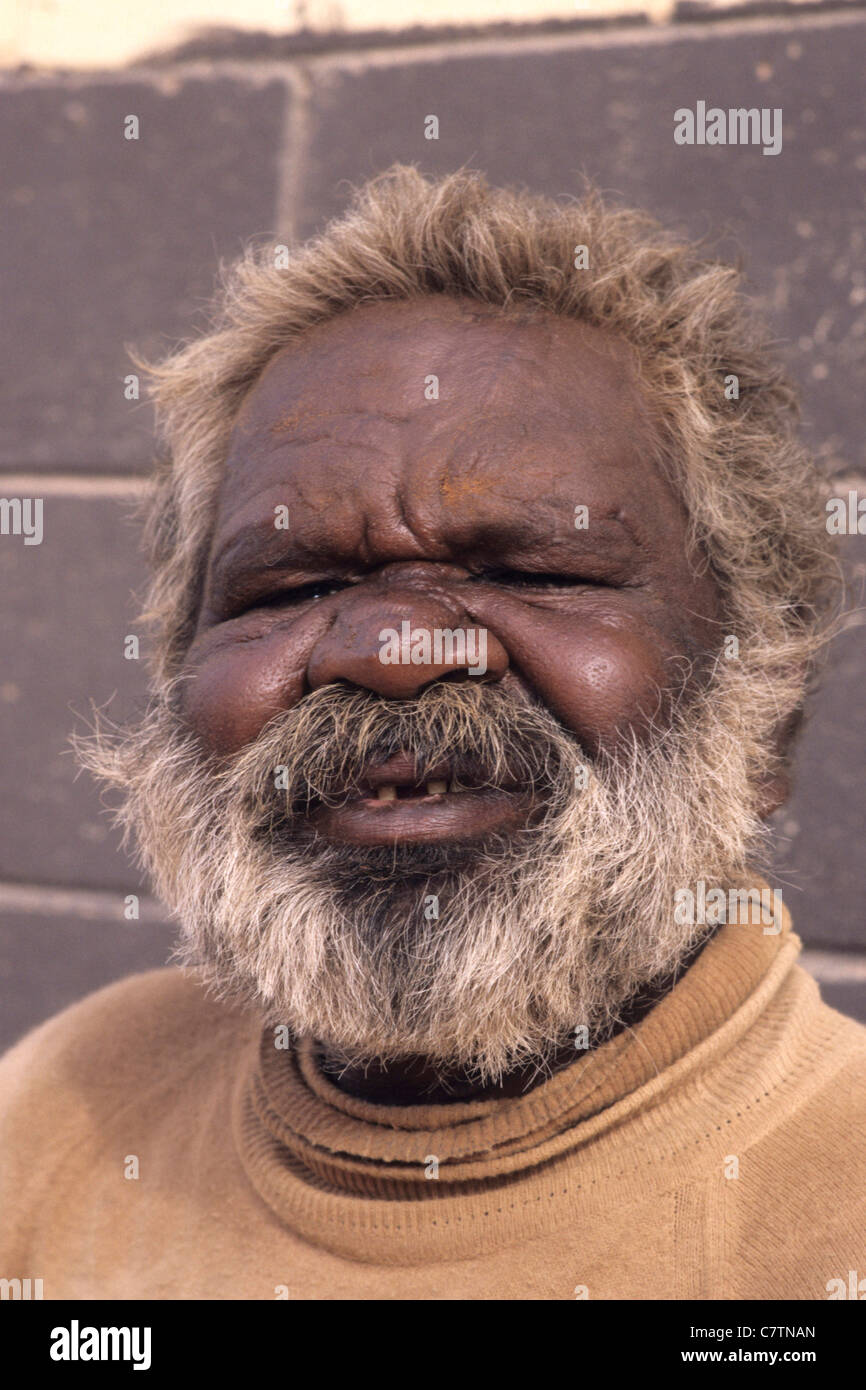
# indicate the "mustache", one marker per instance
pixel 320 752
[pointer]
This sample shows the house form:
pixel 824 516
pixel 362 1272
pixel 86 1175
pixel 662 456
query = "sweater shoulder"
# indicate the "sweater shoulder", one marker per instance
pixel 818 1134
pixel 112 1043
pixel 134 1064
pixel 833 1054
pixel 796 1216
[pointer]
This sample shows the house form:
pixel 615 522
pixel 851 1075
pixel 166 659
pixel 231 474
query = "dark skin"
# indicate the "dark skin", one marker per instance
pixel 451 513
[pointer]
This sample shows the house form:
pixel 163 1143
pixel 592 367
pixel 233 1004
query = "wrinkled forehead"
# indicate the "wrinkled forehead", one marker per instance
pixel 446 400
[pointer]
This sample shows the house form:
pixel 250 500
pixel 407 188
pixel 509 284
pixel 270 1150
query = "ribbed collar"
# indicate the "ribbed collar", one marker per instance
pixel 357 1177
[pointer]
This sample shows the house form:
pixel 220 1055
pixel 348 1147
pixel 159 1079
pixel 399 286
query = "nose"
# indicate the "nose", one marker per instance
pixel 395 640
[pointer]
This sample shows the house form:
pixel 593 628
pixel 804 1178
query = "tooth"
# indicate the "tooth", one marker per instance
pixel 436 788
pixel 453 787
pixel 386 793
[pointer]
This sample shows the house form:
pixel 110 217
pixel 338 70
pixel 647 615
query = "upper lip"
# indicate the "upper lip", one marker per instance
pixel 403 770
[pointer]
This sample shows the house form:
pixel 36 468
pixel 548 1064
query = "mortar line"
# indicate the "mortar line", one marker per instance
pixel 292 157
pixel 74 484
pixel 103 904
pixel 835 967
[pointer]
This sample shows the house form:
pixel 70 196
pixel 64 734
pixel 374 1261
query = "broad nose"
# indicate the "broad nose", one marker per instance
pixel 396 641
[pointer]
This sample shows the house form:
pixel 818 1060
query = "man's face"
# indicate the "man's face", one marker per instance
pixel 402 858
pixel 521 499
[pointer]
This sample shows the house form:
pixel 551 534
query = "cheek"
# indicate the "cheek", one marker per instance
pixel 602 676
pixel 232 691
pixel 602 684
pixel 232 695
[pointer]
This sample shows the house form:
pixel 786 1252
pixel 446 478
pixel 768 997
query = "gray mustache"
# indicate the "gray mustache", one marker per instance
pixel 320 751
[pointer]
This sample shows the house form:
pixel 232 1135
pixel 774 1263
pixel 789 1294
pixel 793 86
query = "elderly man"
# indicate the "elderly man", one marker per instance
pixel 489 578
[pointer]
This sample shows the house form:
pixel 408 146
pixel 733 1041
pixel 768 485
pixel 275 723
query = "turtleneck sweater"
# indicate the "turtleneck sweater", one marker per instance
pixel 157 1143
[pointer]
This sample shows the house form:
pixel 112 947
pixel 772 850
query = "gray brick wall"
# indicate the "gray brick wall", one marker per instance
pixel 111 243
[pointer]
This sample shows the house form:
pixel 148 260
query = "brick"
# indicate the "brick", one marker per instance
pixel 68 605
pixel 109 242
pixel 48 962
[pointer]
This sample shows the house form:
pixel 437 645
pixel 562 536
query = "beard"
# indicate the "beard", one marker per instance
pixel 481 957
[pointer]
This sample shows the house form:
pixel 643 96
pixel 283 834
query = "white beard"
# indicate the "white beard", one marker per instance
pixel 552 929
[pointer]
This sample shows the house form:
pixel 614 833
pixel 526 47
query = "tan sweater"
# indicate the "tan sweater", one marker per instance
pixel 715 1151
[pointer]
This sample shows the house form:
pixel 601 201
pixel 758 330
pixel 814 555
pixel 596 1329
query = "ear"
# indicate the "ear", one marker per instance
pixel 775 787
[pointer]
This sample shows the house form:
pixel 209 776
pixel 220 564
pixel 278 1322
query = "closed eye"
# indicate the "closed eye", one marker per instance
pixel 508 578
pixel 524 579
pixel 318 588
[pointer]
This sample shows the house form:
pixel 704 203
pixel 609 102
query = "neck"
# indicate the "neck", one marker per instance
pixel 422 1081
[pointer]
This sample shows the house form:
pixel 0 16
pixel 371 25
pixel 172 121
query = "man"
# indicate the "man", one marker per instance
pixel 489 578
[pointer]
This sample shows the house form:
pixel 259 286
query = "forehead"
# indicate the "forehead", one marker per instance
pixel 447 406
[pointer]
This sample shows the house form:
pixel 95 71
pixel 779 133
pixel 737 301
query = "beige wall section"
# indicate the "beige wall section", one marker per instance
pixel 104 33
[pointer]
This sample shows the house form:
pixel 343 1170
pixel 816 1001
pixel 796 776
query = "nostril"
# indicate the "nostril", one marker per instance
pixel 461 674
pixel 314 682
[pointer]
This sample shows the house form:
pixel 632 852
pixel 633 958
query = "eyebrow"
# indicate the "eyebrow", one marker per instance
pixel 250 545
pixel 246 556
